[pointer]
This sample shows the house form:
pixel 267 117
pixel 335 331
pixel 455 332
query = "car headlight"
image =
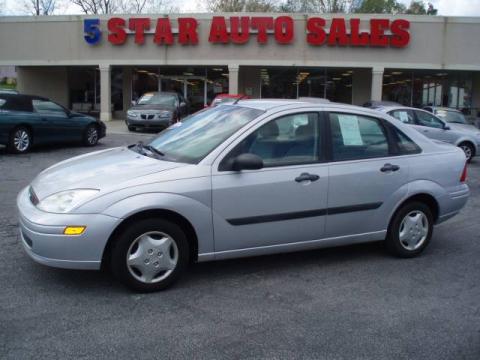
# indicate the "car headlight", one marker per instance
pixel 131 113
pixel 65 201
pixel 165 114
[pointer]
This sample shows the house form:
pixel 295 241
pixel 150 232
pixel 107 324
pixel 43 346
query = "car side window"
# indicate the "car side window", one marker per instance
pixel 426 119
pixel 405 145
pixel 357 137
pixel 2 102
pixel 405 116
pixel 47 107
pixel 288 140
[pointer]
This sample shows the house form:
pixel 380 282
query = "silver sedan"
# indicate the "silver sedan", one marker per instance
pixel 256 177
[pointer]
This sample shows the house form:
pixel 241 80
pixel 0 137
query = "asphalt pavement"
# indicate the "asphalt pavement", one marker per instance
pixel 353 302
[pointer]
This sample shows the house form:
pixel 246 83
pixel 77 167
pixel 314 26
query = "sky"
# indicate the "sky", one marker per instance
pixel 445 7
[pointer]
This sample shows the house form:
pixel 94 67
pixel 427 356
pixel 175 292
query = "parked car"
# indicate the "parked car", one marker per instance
pixel 227 98
pixel 448 115
pixel 373 104
pixel 27 120
pixel 8 91
pixel 467 137
pixel 157 110
pixel 258 177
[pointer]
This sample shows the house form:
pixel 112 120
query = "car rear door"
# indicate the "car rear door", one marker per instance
pixel 366 178
pixel 284 202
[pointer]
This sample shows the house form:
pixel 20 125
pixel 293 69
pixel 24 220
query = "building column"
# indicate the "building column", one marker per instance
pixel 127 88
pixel 233 79
pixel 105 93
pixel 377 84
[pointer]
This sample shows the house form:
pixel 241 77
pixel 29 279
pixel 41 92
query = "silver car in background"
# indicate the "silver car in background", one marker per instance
pixel 252 178
pixel 444 127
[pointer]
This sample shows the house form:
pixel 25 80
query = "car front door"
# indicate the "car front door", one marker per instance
pixel 59 125
pixel 366 181
pixel 283 202
pixel 432 127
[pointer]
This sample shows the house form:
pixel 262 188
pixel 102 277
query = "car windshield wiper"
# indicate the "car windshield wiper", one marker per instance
pixel 141 147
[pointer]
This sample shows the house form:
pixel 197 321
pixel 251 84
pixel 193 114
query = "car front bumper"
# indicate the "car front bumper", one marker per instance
pixel 143 123
pixel 41 234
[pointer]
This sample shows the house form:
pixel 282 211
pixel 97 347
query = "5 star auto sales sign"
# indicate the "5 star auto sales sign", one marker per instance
pixel 242 29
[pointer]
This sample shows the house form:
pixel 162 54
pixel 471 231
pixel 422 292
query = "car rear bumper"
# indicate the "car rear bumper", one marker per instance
pixel 453 202
pixel 42 236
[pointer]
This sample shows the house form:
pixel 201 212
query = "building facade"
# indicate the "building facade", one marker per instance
pixel 99 64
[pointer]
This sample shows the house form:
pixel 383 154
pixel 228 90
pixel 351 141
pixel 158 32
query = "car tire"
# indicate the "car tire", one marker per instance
pixel 131 128
pixel 410 230
pixel 150 255
pixel 468 149
pixel 91 135
pixel 20 140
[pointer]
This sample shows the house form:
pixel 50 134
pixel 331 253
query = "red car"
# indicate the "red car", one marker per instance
pixel 227 98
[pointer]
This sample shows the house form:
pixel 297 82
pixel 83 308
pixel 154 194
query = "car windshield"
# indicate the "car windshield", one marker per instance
pixel 195 137
pixel 451 116
pixel 157 99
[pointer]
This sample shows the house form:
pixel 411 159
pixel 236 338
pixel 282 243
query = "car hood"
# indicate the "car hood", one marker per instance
pixel 152 107
pixel 466 128
pixel 103 170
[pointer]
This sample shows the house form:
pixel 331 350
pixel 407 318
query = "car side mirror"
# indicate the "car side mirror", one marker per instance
pixel 446 127
pixel 133 102
pixel 247 161
pixel 183 103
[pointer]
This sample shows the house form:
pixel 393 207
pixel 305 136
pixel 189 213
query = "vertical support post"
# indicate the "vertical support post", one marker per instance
pixel 377 84
pixel 105 93
pixel 127 88
pixel 233 79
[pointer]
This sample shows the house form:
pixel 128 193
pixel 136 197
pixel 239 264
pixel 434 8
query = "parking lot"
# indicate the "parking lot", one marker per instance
pixel 353 302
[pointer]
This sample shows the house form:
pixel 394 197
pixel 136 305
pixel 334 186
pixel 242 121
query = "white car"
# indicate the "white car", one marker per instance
pixel 463 135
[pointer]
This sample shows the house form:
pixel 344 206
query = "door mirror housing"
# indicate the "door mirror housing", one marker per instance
pixel 183 104
pixel 247 161
pixel 446 127
pixel 133 102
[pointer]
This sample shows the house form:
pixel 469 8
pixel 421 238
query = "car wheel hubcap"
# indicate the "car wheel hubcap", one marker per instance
pixel 468 152
pixel 413 230
pixel 152 257
pixel 21 140
pixel 92 136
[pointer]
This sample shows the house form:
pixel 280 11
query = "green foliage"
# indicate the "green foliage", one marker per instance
pixel 380 7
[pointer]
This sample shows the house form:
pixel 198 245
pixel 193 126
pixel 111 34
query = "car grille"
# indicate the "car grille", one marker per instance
pixel 147 117
pixel 33 197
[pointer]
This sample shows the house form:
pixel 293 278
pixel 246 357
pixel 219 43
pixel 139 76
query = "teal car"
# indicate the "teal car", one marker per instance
pixel 27 120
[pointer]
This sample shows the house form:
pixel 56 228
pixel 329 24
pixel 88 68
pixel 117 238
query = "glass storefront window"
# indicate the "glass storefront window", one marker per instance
pixel 419 88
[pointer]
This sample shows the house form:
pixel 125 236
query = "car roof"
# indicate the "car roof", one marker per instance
pixel 23 96
pixel 160 93
pixel 285 104
pixel 444 108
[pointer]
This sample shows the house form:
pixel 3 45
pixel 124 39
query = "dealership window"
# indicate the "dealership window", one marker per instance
pixel 84 89
pixel 334 84
pixel 420 88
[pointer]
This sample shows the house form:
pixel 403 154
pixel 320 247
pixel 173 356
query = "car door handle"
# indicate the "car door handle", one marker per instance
pixel 389 167
pixel 307 177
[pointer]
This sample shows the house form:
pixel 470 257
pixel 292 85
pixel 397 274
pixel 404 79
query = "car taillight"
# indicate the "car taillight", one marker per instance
pixel 463 178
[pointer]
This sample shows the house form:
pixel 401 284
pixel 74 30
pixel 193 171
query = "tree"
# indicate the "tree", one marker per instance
pixel 380 7
pixel 240 5
pixel 123 6
pixel 40 7
pixel 96 6
pixel 418 8
pixel 319 6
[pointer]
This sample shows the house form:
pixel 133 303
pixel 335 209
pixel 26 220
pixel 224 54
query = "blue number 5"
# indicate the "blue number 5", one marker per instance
pixel 91 28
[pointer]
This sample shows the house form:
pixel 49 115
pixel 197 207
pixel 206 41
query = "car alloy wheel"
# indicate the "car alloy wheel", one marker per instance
pixel 92 135
pixel 21 140
pixel 467 149
pixel 152 257
pixel 413 230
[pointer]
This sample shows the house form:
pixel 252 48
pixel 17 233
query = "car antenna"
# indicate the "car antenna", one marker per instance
pixel 240 98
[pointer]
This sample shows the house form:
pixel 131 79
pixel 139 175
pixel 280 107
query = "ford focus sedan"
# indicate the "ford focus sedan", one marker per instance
pixel 257 177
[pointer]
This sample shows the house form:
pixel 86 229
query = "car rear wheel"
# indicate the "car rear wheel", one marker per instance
pixel 20 140
pixel 468 150
pixel 131 128
pixel 91 135
pixel 150 255
pixel 410 230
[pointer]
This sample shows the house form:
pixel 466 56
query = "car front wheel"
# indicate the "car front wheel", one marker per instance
pixel 91 135
pixel 410 230
pixel 468 150
pixel 20 140
pixel 150 255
